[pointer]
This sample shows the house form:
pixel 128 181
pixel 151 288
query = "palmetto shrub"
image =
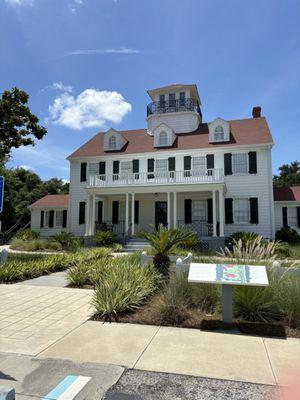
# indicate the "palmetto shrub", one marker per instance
pixel 27 234
pixel 163 241
pixel 288 235
pixel 67 240
pixel 35 245
pixel 122 286
pixel 105 238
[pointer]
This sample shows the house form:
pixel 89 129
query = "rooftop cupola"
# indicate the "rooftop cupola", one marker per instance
pixel 177 106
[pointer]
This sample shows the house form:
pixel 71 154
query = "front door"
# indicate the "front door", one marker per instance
pixel 161 213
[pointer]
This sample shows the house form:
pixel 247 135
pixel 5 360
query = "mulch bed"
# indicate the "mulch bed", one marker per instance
pixel 196 319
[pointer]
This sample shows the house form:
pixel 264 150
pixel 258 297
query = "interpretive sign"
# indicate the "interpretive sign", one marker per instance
pixel 228 275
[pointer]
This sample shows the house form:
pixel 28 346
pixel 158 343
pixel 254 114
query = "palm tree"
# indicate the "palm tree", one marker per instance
pixel 163 240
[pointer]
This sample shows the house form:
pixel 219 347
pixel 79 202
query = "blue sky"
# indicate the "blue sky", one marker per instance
pixel 86 65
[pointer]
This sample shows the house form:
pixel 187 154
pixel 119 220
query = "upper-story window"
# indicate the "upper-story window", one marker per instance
pixel 126 167
pixel 239 163
pixel 182 99
pixel 162 102
pixel 219 133
pixel 172 100
pixel 161 165
pixel 163 138
pixel 199 164
pixel 112 142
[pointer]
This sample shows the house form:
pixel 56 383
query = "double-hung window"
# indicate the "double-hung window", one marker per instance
pixel 93 168
pixel 219 133
pixel 239 163
pixel 46 218
pixel 199 210
pixel 182 99
pixel 172 101
pixel 126 168
pixel 162 102
pixel 59 219
pixel 161 167
pixel 198 166
pixel 292 217
pixel 112 142
pixel 163 138
pixel 241 211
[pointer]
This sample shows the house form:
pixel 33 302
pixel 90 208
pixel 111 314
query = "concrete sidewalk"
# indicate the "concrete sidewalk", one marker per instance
pixel 182 351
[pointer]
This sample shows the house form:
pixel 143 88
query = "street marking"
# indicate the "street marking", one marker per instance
pixel 68 388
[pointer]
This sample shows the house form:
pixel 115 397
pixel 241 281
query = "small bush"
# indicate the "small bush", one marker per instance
pixel 205 297
pixel 79 275
pixel 105 238
pixel 172 308
pixel 67 240
pixel 245 237
pixel 27 234
pixel 289 299
pixel 122 286
pixel 288 235
pixel 191 243
pixel 35 245
pixel 283 250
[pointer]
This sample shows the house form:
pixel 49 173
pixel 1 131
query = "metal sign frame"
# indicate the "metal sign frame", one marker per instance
pixel 1 192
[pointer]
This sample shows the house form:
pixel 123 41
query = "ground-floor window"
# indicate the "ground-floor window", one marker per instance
pixel 199 210
pixel 241 210
pixel 59 219
pixel 292 217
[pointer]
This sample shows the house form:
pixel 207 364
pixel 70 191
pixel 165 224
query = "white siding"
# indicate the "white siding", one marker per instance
pixel 179 122
pixel 278 213
pixel 45 231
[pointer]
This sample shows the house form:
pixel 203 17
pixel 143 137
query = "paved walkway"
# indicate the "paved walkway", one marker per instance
pixel 33 317
pixel 57 279
pixel 182 351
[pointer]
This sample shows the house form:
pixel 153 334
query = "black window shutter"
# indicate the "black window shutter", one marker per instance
pixel 209 211
pixel 135 166
pixel 298 217
pixel 284 217
pixel 100 211
pixel 227 164
pixel 187 163
pixel 253 210
pixel 83 172
pixel 82 212
pixel 42 219
pixel 115 212
pixel 150 167
pixel 187 211
pixel 228 211
pixel 116 167
pixel 65 216
pixel 51 219
pixel 252 162
pixel 136 211
pixel 171 162
pixel 210 161
pixel 102 168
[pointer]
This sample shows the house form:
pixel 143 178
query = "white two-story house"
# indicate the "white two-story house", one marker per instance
pixel 214 178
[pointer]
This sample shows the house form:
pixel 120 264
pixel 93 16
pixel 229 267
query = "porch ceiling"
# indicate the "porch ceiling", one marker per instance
pixel 156 189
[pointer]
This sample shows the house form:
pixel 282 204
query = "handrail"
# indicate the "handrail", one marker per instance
pixel 170 106
pixel 153 178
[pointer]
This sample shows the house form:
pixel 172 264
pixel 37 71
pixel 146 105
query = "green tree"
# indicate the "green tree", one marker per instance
pixel 18 126
pixel 23 188
pixel 289 175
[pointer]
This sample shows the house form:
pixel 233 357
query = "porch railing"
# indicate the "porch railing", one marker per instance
pixel 117 228
pixel 157 178
pixel 202 228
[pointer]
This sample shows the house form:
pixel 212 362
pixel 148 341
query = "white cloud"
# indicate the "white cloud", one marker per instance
pixel 90 109
pixel 20 2
pixel 62 87
pixel 27 167
pixel 121 50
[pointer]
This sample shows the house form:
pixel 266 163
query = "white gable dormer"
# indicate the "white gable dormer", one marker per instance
pixel 163 136
pixel 219 131
pixel 113 140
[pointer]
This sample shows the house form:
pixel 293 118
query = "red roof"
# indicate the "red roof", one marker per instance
pixel 52 200
pixel 242 132
pixel 287 193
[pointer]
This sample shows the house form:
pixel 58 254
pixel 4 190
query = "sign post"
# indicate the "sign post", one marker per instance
pixel 228 275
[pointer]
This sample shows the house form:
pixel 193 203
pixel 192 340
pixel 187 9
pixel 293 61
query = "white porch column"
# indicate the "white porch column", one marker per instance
pixel 132 214
pixel 221 211
pixel 169 210
pixel 127 214
pixel 214 214
pixel 93 215
pixel 87 216
pixel 175 210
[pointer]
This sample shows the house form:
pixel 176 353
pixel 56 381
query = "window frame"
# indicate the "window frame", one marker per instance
pixel 222 132
pixel 55 218
pixel 166 143
pixel 114 139
pixel 233 155
pixel 292 220
pixel 159 170
pixel 235 221
pixel 194 202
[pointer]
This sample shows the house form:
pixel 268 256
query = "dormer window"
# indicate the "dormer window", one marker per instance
pixel 219 133
pixel 163 138
pixel 112 142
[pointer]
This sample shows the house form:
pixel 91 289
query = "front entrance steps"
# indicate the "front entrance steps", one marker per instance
pixel 135 244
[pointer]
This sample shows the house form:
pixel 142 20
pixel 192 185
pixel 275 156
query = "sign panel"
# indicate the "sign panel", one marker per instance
pixel 1 192
pixel 228 274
